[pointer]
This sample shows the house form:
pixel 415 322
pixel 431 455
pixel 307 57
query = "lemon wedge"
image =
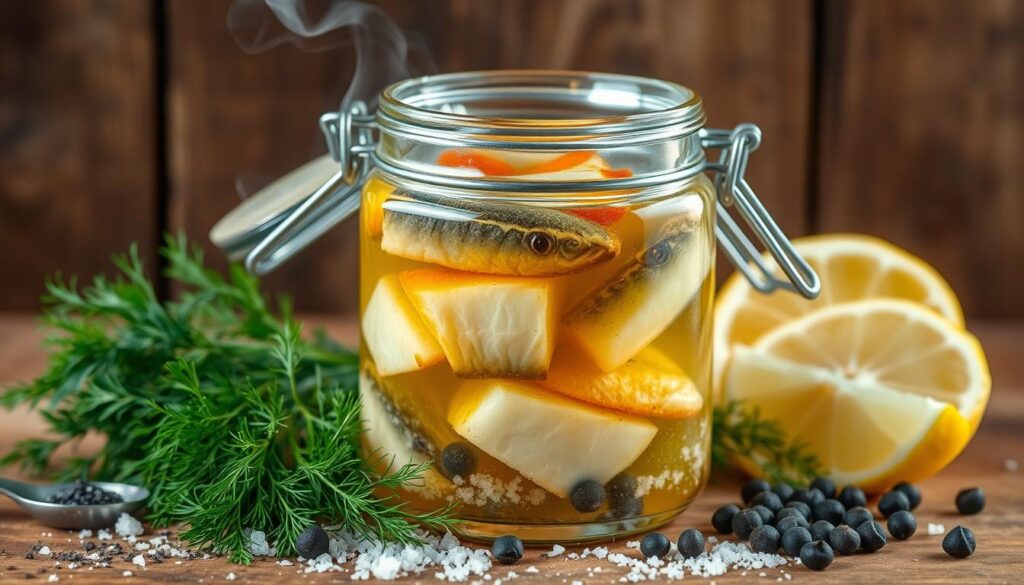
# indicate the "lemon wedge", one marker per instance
pixel 852 267
pixel 880 390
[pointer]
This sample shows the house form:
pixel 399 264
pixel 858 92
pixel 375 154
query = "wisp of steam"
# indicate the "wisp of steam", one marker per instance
pixel 384 54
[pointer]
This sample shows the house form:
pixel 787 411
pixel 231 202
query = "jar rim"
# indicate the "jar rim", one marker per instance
pixel 570 108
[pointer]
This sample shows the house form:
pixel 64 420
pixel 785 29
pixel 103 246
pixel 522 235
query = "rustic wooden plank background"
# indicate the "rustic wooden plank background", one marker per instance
pixel 120 119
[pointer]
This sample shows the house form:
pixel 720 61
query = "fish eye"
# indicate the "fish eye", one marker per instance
pixel 540 243
pixel 657 255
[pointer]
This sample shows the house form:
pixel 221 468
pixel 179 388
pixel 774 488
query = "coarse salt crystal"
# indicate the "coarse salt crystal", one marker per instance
pixel 126 574
pixel 104 535
pixel 45 551
pixel 556 550
pixel 53 578
pixel 284 563
pixel 532 569
pixel 258 544
pixel 85 533
pixel 230 576
pixel 139 560
pixel 934 529
pixel 126 525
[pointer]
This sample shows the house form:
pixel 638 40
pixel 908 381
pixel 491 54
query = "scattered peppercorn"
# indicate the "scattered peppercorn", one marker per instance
pixel 791 522
pixel 802 507
pixel 788 512
pixel 852 497
pixel 844 540
pixel 622 499
pixel 820 529
pixel 765 539
pixel 970 501
pixel 655 544
pixel 587 496
pixel 794 539
pixel 745 522
pixel 767 516
pixel 902 525
pixel 816 555
pixel 690 543
pixel 783 490
pixel 89 545
pixel 912 492
pixel 754 487
pixel 959 542
pixel 722 518
pixel 312 542
pixel 830 510
pixel 825 486
pixel 83 493
pixel 892 502
pixel 458 459
pixel 854 517
pixel 872 537
pixel 507 549
pixel 769 500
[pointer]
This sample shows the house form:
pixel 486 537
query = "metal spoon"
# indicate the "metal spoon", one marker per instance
pixel 33 499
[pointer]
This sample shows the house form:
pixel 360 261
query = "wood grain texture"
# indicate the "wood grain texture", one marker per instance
pixel 233 113
pixel 77 139
pixel 999 529
pixel 922 136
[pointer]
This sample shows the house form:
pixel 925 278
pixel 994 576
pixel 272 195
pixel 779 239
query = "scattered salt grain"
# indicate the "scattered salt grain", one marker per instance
pixel 230 576
pixel 259 546
pixel 85 533
pixel 556 550
pixel 104 535
pixel 139 560
pixel 532 569
pixel 45 551
pixel 1011 465
pixel 633 544
pixel 934 529
pixel 142 546
pixel 53 578
pixel 284 563
pixel 126 525
pixel 126 574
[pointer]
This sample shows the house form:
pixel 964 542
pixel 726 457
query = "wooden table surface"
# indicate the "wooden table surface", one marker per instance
pixel 999 529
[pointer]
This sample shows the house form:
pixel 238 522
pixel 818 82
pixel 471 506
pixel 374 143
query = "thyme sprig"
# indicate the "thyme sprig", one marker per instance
pixel 231 418
pixel 741 431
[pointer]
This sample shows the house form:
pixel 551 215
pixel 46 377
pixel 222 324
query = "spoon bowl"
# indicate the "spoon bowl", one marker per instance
pixel 33 499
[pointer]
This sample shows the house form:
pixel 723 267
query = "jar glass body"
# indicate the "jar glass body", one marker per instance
pixel 524 390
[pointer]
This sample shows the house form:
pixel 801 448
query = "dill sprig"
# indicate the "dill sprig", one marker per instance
pixel 225 412
pixel 740 431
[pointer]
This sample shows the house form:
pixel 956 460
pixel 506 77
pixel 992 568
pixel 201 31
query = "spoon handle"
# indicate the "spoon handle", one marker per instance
pixel 12 489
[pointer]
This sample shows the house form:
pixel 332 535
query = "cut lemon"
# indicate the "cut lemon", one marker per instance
pixel 851 267
pixel 879 390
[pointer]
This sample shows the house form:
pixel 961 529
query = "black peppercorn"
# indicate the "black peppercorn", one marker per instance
pixel 852 497
pixel 794 539
pixel 765 539
pixel 820 529
pixel 854 517
pixel 902 525
pixel 830 510
pixel 791 522
pixel 783 490
pixel 844 540
pixel 690 543
pixel 769 500
pixel 959 542
pixel 787 512
pixel 912 492
pixel 722 518
pixel 587 496
pixel 802 507
pixel 507 549
pixel 892 502
pixel 312 542
pixel 458 459
pixel 622 499
pixel 754 487
pixel 825 486
pixel 745 522
pixel 970 500
pixel 766 515
pixel 816 555
pixel 872 537
pixel 655 544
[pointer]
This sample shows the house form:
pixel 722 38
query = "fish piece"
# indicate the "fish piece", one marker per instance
pixel 633 307
pixel 492 237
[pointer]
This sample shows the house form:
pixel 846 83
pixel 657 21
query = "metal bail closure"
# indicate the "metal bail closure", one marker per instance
pixel 276 223
pixel 734 148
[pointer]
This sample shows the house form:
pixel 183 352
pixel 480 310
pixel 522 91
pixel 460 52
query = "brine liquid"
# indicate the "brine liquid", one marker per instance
pixel 670 471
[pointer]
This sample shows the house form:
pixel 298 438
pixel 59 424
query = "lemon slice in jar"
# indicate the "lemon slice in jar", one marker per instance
pixel 879 390
pixel 851 267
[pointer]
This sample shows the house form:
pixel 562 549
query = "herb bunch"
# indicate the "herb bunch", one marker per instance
pixel 225 412
pixel 740 431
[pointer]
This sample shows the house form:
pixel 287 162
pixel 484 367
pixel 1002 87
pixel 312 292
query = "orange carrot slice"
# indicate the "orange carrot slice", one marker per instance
pixel 468 159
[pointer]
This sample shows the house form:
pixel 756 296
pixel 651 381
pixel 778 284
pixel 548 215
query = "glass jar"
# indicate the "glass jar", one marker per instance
pixel 536 283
